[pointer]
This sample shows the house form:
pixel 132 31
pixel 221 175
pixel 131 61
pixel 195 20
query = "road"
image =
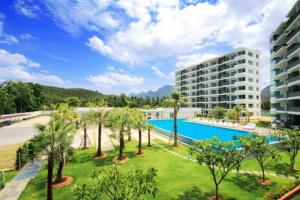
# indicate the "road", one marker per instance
pixel 20 131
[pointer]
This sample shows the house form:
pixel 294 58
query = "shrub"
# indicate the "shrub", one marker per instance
pixel 2 185
pixel 24 154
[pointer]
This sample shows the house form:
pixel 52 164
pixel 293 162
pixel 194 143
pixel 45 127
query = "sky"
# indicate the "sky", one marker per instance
pixel 129 46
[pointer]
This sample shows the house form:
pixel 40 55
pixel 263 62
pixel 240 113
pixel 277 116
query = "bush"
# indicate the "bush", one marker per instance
pixel 2 185
pixel 271 195
pixel 25 154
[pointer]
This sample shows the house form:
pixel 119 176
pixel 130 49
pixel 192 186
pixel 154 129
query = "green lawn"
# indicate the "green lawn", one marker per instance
pixel 177 178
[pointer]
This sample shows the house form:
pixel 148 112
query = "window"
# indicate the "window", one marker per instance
pixel 257 56
pixel 250 80
pixel 250 62
pixel 250 54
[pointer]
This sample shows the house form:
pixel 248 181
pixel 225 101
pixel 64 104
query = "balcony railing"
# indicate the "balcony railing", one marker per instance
pixel 278 84
pixel 293 47
pixel 279 71
pixel 293 64
pixel 296 78
pixel 294 94
pixel 280 108
pixel 294 109
pixel 280 96
pixel 293 33
pixel 291 20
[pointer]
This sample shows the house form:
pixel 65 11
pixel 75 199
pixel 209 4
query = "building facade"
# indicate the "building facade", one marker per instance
pixel 225 81
pixel 285 69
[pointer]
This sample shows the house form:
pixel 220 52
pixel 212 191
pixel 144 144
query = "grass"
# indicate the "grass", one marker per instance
pixel 263 124
pixel 177 178
pixel 8 156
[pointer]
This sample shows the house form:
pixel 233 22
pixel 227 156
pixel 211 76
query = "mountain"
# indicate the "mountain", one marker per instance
pixel 57 94
pixel 265 93
pixel 163 91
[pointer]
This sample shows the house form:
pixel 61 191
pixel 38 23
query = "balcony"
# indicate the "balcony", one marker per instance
pixel 280 96
pixel 293 33
pixel 292 63
pixel 280 83
pixel 291 20
pixel 294 109
pixel 292 48
pixel 293 79
pixel 277 72
pixel 294 94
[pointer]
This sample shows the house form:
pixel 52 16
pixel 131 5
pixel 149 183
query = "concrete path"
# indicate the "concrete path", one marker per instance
pixel 14 188
pixel 93 138
pixel 21 131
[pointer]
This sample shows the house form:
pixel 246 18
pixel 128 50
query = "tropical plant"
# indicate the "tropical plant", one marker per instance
pixel 220 158
pixel 117 184
pixel 218 112
pixel 140 125
pixel 149 128
pixel 175 100
pixel 238 110
pixel 98 117
pixel 73 101
pixel 117 120
pixel 50 140
pixel 85 121
pixel 261 150
pixel 231 114
pixel 290 143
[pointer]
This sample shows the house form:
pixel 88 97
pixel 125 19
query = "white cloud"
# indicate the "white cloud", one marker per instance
pixel 96 44
pixel 14 66
pixel 158 72
pixel 72 16
pixel 27 8
pixel 110 79
pixel 6 38
pixel 27 36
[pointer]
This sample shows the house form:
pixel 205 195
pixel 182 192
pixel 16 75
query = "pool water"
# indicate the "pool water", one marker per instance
pixel 198 131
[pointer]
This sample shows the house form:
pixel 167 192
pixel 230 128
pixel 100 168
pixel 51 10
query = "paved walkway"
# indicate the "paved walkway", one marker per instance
pixel 13 189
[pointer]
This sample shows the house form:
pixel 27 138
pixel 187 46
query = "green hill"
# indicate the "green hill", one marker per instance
pixel 57 95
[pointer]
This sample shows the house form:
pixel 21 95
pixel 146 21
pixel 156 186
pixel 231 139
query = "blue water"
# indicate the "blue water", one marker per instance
pixel 198 131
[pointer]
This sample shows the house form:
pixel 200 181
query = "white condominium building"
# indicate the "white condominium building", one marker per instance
pixel 224 81
pixel 285 69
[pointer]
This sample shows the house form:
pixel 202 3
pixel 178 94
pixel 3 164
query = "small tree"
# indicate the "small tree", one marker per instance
pixel 116 184
pixel 261 150
pixel 117 120
pixel 218 112
pixel 98 117
pixel 149 128
pixel 72 101
pixel 238 110
pixel 140 125
pixel 290 143
pixel 231 114
pixel 85 121
pixel 220 158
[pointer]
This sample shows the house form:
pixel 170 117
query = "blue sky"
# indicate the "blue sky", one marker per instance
pixel 127 46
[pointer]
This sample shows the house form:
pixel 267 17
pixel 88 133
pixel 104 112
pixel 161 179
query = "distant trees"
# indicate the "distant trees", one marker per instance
pixel 20 97
pixel 220 158
pixel 73 101
pixel 118 184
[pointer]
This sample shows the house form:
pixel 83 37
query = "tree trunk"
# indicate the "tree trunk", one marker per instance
pixel 175 126
pixel 140 142
pixel 292 166
pixel 99 150
pixel 129 135
pixel 121 146
pixel 263 172
pixel 217 191
pixel 149 143
pixel 84 137
pixel 49 177
pixel 59 177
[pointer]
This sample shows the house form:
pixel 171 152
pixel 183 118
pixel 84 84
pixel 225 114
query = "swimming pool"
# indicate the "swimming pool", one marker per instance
pixel 198 131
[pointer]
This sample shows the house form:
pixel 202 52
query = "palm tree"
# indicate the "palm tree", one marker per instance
pixel 85 121
pixel 51 138
pixel 118 119
pixel 98 117
pixel 149 128
pixel 140 124
pixel 176 100
pixel 238 109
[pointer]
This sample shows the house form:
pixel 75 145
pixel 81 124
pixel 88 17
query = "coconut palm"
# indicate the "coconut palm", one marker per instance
pixel 140 125
pixel 238 109
pixel 51 138
pixel 175 101
pixel 117 120
pixel 85 121
pixel 98 117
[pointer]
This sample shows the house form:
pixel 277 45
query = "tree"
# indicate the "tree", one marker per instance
pixel 261 150
pixel 220 158
pixel 51 138
pixel 218 112
pixel 231 114
pixel 118 119
pixel 290 143
pixel 123 99
pixel 238 110
pixel 117 184
pixel 98 117
pixel 248 115
pixel 6 102
pixel 175 100
pixel 85 121
pixel 72 101
pixel 149 128
pixel 139 124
